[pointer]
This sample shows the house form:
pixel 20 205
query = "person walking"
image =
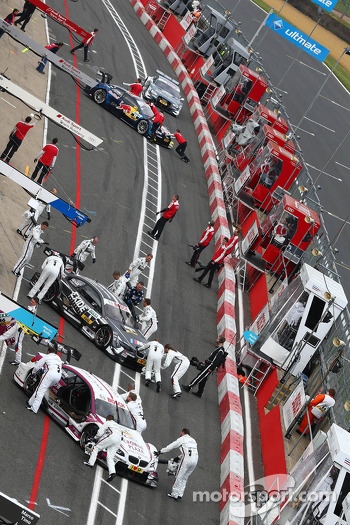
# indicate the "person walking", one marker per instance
pixel 52 371
pixel 33 307
pixel 86 43
pixel 154 362
pixel 318 406
pixel 52 269
pixel 32 215
pixel 213 264
pixel 108 438
pixel 136 410
pixel 10 18
pixel 187 462
pixel 182 363
pixel 82 252
pixel 213 362
pixel 135 88
pixel 138 266
pixel 53 47
pixel 148 318
pixel 34 239
pixel 133 297
pixel 203 242
pixel 168 215
pixel 45 160
pixel 16 137
pixel 182 145
pixel 26 15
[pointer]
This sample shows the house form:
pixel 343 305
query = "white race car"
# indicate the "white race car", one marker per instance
pixel 80 403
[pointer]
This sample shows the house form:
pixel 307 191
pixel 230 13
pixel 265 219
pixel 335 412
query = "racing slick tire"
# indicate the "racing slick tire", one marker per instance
pixel 142 127
pixel 103 336
pixel 100 96
pixel 88 435
pixel 52 292
pixel 30 383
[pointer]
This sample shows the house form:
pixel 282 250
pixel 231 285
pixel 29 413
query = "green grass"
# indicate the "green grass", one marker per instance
pixel 340 72
pixel 343 7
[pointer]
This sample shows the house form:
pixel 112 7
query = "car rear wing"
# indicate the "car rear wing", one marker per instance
pixel 69 351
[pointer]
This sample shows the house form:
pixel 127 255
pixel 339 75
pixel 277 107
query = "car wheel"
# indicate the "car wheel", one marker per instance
pixel 88 435
pixel 52 292
pixel 142 127
pixel 103 336
pixel 100 96
pixel 30 384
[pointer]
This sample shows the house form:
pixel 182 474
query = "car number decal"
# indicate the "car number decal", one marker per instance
pixel 141 361
pixel 136 469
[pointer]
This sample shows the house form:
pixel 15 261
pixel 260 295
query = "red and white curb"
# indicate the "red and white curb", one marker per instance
pixel 232 464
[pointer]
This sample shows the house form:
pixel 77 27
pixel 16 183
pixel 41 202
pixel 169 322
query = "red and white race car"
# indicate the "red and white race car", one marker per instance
pixel 80 403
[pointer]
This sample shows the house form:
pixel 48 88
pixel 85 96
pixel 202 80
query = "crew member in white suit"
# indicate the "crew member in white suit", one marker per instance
pixel 33 307
pixel 187 464
pixel 154 362
pixel 182 363
pixel 85 248
pixel 52 371
pixel 52 268
pixel 138 266
pixel 148 319
pixel 109 438
pixel 34 239
pixel 136 410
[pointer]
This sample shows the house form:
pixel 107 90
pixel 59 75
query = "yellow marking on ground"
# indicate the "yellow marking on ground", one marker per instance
pixel 25 49
pixel 26 171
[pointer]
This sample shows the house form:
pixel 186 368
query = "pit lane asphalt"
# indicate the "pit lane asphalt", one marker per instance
pixel 111 188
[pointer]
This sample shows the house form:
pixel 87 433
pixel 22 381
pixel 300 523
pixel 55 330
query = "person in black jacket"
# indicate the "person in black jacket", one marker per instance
pixel 26 15
pixel 213 362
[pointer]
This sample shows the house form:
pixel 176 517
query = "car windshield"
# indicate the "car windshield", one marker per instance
pixel 145 109
pixel 168 88
pixel 120 313
pixel 124 418
pixel 104 408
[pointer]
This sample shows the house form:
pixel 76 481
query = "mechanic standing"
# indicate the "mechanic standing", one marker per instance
pixel 33 307
pixel 86 43
pixel 53 47
pixel 213 264
pixel 26 15
pixel 52 371
pixel 16 137
pixel 109 438
pixel 138 266
pixel 32 215
pixel 182 145
pixel 154 361
pixel 45 159
pixel 135 88
pixel 136 410
pixel 158 120
pixel 119 285
pixel 187 461
pixel 215 360
pixel 34 239
pixel 168 214
pixel 82 252
pixel 148 319
pixel 203 242
pixel 52 269
pixel 182 364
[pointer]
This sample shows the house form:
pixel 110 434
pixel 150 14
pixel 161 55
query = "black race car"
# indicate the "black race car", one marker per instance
pixel 131 109
pixel 100 315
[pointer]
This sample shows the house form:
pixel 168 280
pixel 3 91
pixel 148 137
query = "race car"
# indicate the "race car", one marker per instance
pixel 164 92
pixel 131 109
pixel 100 316
pixel 80 403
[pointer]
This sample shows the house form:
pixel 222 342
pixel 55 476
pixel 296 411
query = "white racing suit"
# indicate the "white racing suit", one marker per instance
pixel 136 267
pixel 182 364
pixel 27 252
pixel 19 343
pixel 82 252
pixel 51 269
pixel 154 360
pixel 149 321
pixel 52 365
pixel 187 464
pixel 109 438
pixel 136 410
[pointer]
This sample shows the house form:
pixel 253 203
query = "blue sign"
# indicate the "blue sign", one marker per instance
pixel 327 5
pixel 296 37
pixel 250 337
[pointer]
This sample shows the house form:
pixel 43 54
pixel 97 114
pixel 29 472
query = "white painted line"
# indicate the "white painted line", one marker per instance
pixel 94 496
pixel 107 509
pixel 343 165
pixel 7 102
pixel 335 103
pixel 302 129
pixel 307 65
pixel 318 124
pixel 323 172
pixel 122 502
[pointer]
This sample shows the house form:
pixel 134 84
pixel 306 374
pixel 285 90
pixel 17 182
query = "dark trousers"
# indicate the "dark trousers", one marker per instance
pixel 24 18
pixel 196 253
pixel 79 46
pixel 158 228
pixel 181 149
pixel 210 267
pixel 11 148
pixel 44 171
pixel 155 126
pixel 201 379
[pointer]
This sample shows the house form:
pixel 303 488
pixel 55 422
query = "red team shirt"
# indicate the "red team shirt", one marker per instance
pixel 50 151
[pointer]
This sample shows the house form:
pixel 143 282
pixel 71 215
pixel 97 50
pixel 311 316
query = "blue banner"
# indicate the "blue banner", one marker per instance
pixel 250 337
pixel 296 37
pixel 327 5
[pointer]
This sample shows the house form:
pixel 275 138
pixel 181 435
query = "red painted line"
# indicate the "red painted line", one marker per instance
pixel 46 428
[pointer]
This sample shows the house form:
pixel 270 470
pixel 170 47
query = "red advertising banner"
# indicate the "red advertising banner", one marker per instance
pixel 55 15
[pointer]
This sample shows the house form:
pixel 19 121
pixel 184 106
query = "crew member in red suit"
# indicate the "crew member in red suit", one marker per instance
pixel 157 123
pixel 53 47
pixel 203 242
pixel 16 137
pixel 10 18
pixel 135 88
pixel 45 160
pixel 317 408
pixel 86 43
pixel 168 214
pixel 182 145
pixel 213 264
